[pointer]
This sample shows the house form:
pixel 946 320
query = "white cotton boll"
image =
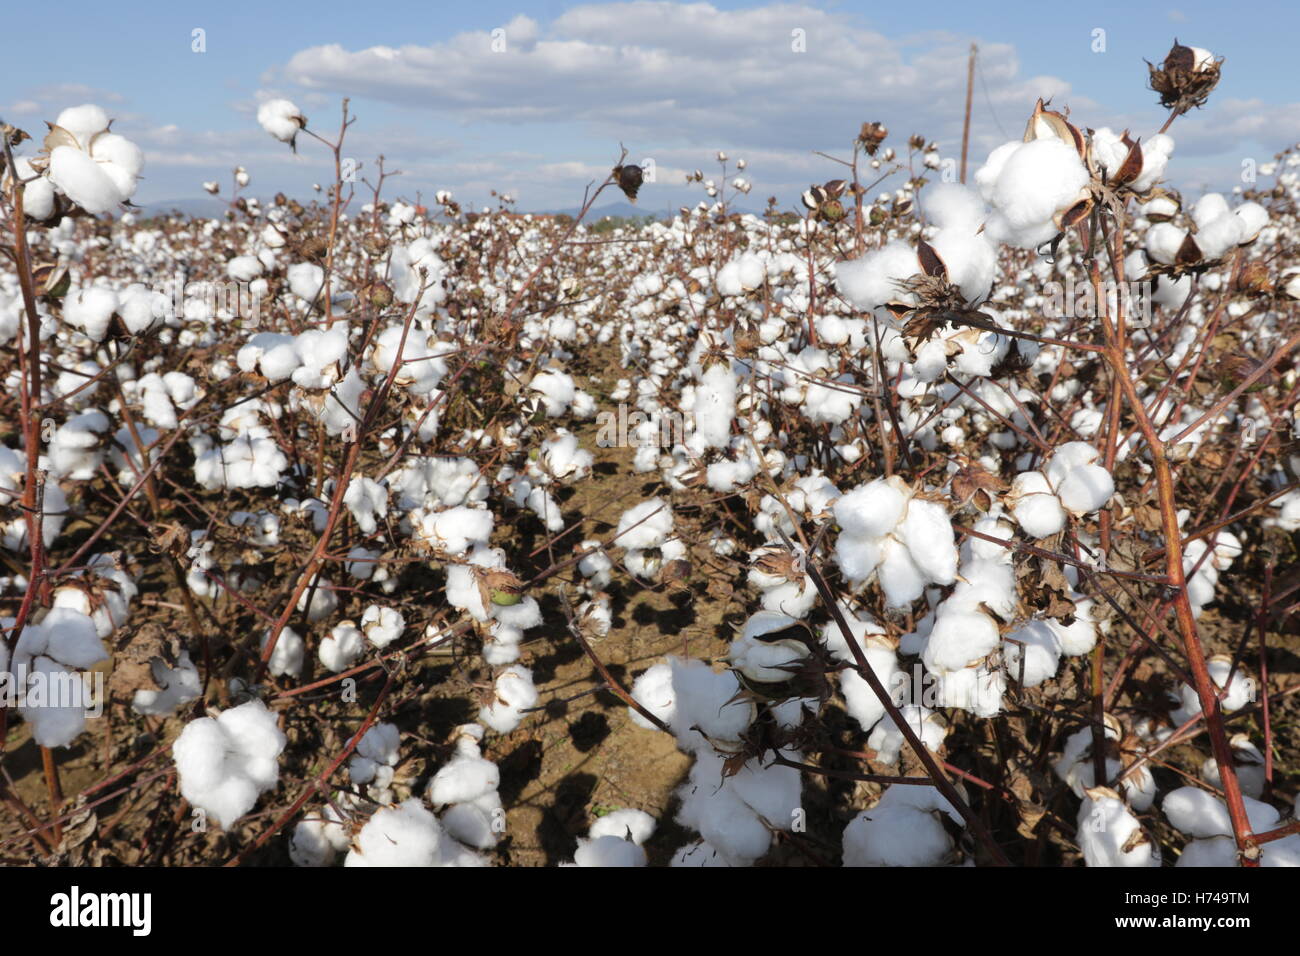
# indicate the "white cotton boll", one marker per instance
pixel 84 181
pixel 367 499
pixel 556 389
pixel 527 613
pixel 700 855
pixel 323 600
pixel 773 791
pixel 635 825
pixel 287 658
pixel 888 741
pixel 760 658
pixel 281 119
pixel 177 686
pixel 1080 637
pixel 380 743
pixel 1199 814
pixel 514 692
pixel 463 591
pixel 1163 241
pixel 715 405
pixel 1156 153
pixel 895 836
pixel 608 851
pixel 476 823
pixel 466 777
pixel 901 580
pixel 1172 295
pixel 1215 851
pixel 1086 489
pixel 1208 208
pixel 1218 237
pixel 861 702
pixel 405 835
pixel 1036 509
pixel 1037 182
pixel 225 763
pixel 654 691
pixel 306 279
pixel 244 268
pixel 869 282
pixel 1041 653
pixel 646 525
pixel 969 259
pixel 91 310
pixel 83 122
pixel 988 582
pixel 1254 218
pixel 38 195
pixel 71 638
pixel 1109 834
pixel 959 639
pixel 872 510
pixel 953 206
pixel 724 820
pixel 53 724
pixel 382 625
pixel 928 534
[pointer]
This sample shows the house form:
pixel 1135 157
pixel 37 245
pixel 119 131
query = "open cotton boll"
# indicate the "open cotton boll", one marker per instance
pixel 317 841
pixel 1028 187
pixel 1034 506
pixel 646 525
pixel 761 656
pixel 323 600
pixel 611 851
pixel 38 194
pixel 953 206
pixel 1032 653
pixel 514 692
pixel 556 390
pixel 91 309
pixel 367 499
pixel 382 625
pixel 959 639
pixel 928 534
pixel 888 741
pixel 1163 240
pixel 896 834
pixel 244 268
pixel 306 279
pixel 1254 218
pixel 281 119
pixel 405 835
pixel 724 820
pixel 901 580
pixel 1240 690
pixel 871 281
pixel 635 825
pixel 56 698
pixel 225 763
pixel 467 776
pixel 1085 489
pixel 873 510
pixel 1109 834
pixel 287 658
pixel 1248 763
pixel 1200 814
pixel 177 686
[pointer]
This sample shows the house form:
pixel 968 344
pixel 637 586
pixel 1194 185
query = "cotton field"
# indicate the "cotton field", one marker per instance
pixel 925 523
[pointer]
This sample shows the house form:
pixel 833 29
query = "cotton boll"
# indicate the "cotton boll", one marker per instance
pixel 323 600
pixel 514 692
pixel 1041 653
pixel 405 835
pixel 84 181
pixel 1199 814
pixel 58 715
pixel 306 279
pixel 226 762
pixel 896 835
pixel 869 282
pixel 1156 153
pixel 609 851
pixel 928 534
pixel 953 205
pixel 1079 637
pixel 1086 489
pixel 281 119
pixel 91 309
pixel 959 639
pixel 635 825
pixel 177 686
pixel 646 525
pixel 901 580
pixel 654 691
pixel 887 740
pixel 1029 189
pixel 466 777
pixel 1248 763
pixel 1109 835
pixel 872 510
pixel 1036 509
pixel 476 823
pixel 1163 241
pixel 287 658
pixel 341 648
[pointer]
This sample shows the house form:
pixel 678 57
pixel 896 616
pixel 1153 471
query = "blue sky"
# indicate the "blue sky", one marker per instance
pixel 674 81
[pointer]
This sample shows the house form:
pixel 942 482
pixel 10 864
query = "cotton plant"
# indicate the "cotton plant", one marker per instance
pixel 47 673
pixel 83 161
